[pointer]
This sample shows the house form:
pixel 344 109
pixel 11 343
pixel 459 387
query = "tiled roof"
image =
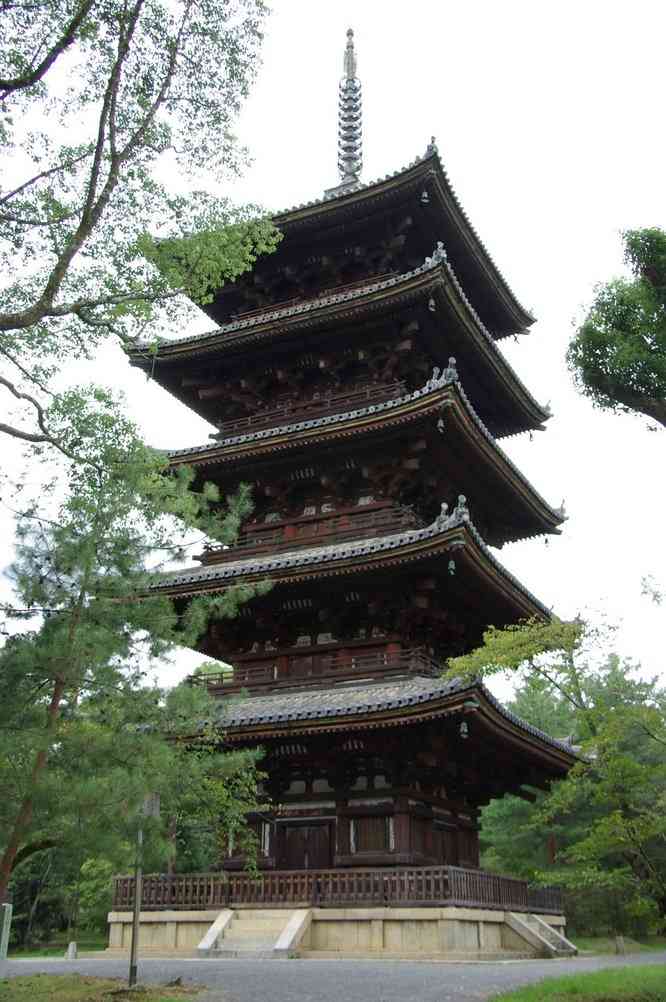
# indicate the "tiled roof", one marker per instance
pixel 438 260
pixel 296 559
pixel 312 555
pixel 361 698
pixel 337 701
pixel 449 377
pixel 431 154
pixel 286 312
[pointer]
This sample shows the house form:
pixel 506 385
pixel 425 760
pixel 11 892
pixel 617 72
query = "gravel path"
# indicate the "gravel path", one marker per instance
pixel 337 980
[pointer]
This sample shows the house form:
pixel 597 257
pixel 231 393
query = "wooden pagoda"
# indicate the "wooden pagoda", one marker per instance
pixel 355 382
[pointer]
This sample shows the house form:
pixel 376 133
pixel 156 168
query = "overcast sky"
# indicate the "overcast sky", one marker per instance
pixel 549 121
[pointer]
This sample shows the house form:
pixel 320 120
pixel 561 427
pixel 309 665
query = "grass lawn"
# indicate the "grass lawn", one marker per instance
pixel 79 988
pixel 624 984
pixel 57 948
pixel 606 944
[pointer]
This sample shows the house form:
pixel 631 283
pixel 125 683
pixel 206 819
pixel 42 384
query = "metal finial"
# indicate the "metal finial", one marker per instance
pixel 350 132
pixel 350 56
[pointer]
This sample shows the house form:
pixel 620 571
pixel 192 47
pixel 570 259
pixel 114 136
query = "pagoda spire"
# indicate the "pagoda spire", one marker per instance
pixel 350 129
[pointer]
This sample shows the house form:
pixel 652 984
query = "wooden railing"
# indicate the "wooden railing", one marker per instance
pixel 324 531
pixel 403 886
pixel 303 410
pixel 328 667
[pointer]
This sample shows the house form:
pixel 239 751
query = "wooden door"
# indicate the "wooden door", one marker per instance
pixel 445 845
pixel 307 846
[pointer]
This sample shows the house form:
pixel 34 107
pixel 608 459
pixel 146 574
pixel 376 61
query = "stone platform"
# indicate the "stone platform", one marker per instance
pixel 444 933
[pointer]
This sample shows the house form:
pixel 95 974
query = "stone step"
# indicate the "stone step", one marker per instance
pixel 253 925
pixel 262 913
pixel 248 954
pixel 249 936
pixel 243 945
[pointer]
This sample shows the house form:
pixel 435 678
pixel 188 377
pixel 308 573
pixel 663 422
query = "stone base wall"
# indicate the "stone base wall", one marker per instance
pixel 160 932
pixel 445 933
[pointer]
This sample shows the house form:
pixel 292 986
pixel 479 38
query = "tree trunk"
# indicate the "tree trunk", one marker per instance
pixel 27 937
pixel 24 816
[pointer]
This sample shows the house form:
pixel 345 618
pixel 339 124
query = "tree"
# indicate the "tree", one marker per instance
pixel 622 786
pixel 606 821
pixel 618 355
pixel 83 578
pixel 98 100
pixel 549 652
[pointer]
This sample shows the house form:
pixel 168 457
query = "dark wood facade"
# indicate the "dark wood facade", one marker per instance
pixel 355 383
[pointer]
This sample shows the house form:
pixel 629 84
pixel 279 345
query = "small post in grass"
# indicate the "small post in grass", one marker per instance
pixel 5 926
pixel 149 809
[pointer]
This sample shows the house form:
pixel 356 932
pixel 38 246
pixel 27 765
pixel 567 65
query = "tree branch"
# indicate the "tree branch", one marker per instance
pixel 46 436
pixel 30 849
pixel 11 85
pixel 39 177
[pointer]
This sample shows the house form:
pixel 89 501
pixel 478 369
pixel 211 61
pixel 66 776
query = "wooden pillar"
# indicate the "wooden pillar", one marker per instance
pixel 429 838
pixel 342 840
pixel 401 829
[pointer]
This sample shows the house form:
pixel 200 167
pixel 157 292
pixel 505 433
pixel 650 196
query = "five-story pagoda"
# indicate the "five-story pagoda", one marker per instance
pixel 355 382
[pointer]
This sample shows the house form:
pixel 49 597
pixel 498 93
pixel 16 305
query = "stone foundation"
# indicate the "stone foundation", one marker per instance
pixel 448 933
pixel 440 933
pixel 161 933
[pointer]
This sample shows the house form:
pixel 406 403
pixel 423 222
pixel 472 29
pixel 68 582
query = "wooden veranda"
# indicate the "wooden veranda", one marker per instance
pixel 404 886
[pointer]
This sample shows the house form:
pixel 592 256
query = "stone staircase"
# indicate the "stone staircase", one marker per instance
pixel 551 942
pixel 251 933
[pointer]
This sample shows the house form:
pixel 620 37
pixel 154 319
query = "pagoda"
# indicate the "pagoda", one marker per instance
pixel 355 381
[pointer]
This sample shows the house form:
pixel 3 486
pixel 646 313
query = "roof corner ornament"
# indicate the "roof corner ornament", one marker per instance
pixel 438 256
pixel 350 127
pixel 461 511
pixel 450 374
pixel 562 511
pixel 441 377
pixel 443 519
pixel 431 148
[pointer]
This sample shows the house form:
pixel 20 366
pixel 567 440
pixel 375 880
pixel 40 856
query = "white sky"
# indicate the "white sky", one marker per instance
pixel 549 121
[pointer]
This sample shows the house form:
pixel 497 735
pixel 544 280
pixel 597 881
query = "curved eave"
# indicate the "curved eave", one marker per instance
pixel 476 436
pixel 360 558
pixel 448 400
pixel 490 714
pixel 438 281
pixel 424 173
pixel 279 322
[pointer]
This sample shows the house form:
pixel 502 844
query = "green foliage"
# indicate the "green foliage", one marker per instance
pixel 95 888
pixel 72 692
pixel 541 650
pixel 200 263
pixel 626 984
pixel 622 786
pixel 618 355
pixel 93 244
pixel 606 820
